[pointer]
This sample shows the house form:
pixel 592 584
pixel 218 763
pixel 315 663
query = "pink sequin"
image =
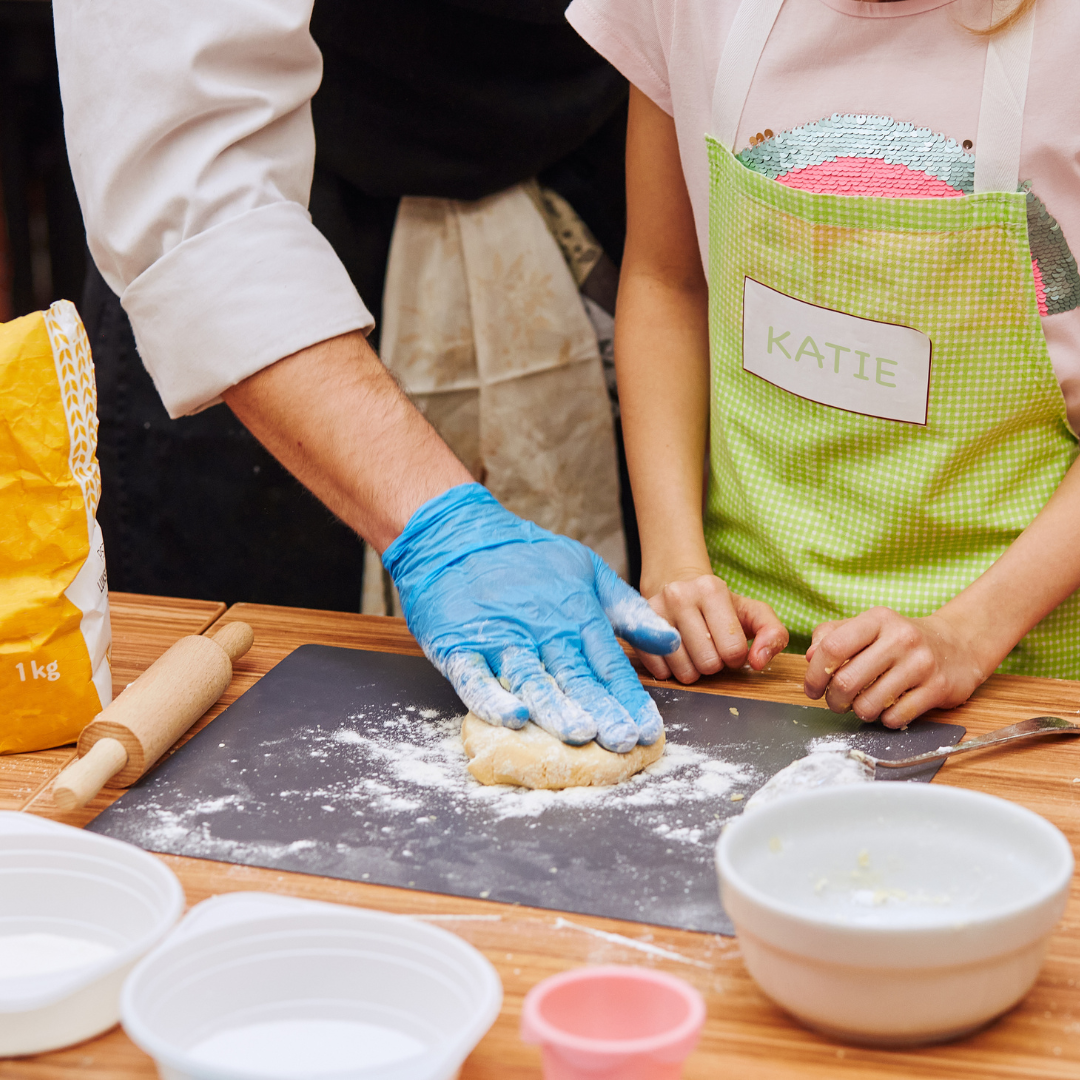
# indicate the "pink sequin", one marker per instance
pixel 1040 288
pixel 888 180
pixel 868 176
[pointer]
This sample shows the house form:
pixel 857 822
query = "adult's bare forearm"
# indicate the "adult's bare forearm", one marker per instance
pixel 335 418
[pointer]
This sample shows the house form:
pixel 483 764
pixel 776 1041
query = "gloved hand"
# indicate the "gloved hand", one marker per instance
pixel 520 621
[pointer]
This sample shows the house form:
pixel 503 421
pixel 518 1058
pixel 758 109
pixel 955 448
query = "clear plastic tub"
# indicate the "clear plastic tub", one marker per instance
pixel 76 912
pixel 252 985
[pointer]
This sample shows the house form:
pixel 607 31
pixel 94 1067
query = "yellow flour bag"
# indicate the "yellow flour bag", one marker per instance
pixel 54 599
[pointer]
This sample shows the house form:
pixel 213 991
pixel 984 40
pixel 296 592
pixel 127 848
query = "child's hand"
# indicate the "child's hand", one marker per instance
pixel 714 624
pixel 883 665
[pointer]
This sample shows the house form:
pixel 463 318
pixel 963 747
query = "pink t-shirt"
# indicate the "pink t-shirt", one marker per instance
pixel 892 91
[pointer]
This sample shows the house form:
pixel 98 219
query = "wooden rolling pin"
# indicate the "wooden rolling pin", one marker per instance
pixel 129 736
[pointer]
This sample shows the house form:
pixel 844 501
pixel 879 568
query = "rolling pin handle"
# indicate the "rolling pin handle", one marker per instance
pixel 86 776
pixel 235 638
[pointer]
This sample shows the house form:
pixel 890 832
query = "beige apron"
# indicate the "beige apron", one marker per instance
pixel 484 327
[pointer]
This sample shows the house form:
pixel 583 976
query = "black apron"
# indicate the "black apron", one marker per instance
pixel 450 98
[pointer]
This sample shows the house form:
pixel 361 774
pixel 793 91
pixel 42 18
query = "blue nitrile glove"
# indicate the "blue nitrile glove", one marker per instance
pixel 520 621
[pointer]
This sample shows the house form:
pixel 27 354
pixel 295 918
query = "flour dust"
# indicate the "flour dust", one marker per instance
pixel 408 761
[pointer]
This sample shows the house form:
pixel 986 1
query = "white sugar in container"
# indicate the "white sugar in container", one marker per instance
pixel 76 912
pixel 259 987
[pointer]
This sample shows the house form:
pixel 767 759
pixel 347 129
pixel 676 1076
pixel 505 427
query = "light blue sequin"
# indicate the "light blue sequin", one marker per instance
pixel 846 135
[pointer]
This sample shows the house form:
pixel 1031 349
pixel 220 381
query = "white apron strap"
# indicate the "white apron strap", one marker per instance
pixel 742 51
pixel 1001 112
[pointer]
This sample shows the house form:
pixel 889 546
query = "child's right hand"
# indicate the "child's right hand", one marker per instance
pixel 715 624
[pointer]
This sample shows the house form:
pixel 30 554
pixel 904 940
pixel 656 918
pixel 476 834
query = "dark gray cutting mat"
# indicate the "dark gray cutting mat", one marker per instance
pixel 345 763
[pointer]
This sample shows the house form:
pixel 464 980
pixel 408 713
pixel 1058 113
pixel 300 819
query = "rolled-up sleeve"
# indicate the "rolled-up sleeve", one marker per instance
pixel 189 131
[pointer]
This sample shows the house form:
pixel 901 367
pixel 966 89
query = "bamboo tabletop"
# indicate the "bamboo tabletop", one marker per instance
pixel 745 1035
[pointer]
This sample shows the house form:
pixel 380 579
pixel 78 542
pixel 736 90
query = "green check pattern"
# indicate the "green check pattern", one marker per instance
pixel 823 513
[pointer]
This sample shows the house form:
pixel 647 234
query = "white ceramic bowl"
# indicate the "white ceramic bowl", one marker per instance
pixel 72 896
pixel 894 914
pixel 258 987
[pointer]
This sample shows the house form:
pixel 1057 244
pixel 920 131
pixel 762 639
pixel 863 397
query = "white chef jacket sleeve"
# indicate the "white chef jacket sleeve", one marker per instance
pixel 189 130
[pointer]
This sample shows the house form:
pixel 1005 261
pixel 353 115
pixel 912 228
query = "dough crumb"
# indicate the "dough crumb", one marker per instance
pixel 738 797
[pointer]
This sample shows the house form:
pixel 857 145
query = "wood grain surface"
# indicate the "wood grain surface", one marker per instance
pixel 143 628
pixel 746 1036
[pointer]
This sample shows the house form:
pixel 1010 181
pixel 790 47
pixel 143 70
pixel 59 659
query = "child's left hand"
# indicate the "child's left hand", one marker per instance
pixel 883 665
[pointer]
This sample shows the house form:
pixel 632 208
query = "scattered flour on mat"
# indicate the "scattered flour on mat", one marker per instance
pixel 403 760
pixel 417 755
pixel 827 743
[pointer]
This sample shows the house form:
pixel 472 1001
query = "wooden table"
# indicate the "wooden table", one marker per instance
pixel 143 628
pixel 746 1037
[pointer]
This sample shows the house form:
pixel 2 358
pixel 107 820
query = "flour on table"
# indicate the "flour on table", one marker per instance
pixel 407 813
pixel 400 761
pixel 830 763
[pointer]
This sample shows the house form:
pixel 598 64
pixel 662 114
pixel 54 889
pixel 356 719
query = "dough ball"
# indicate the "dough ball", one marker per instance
pixel 532 758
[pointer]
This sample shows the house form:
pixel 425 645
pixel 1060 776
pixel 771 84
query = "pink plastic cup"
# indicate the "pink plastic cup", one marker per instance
pixel 613 1023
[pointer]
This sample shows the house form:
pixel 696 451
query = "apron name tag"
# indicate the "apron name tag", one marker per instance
pixel 859 365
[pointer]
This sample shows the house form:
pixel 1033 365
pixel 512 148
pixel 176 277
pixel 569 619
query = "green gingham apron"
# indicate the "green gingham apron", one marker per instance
pixel 823 511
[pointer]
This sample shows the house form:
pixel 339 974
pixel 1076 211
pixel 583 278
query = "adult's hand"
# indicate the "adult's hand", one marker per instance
pixel 489 596
pixel 520 621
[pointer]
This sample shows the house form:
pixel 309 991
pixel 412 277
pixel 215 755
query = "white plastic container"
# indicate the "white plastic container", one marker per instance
pixel 894 914
pixel 94 906
pixel 252 985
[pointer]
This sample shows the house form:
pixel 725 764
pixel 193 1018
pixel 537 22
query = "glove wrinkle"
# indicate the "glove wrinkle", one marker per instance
pixel 481 692
pixel 630 615
pixel 517 619
pixel 550 708
pixel 615 728
pixel 607 659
